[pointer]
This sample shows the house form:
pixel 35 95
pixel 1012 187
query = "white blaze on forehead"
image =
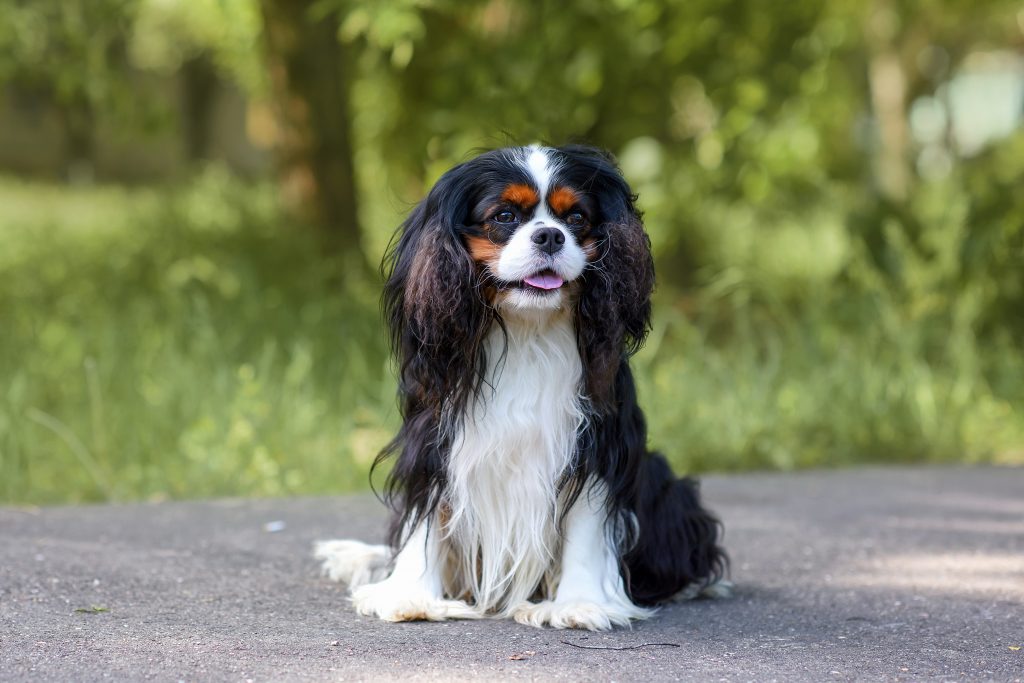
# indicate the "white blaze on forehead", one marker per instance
pixel 520 258
pixel 539 164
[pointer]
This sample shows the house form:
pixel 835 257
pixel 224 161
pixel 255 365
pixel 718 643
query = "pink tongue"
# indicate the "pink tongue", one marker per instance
pixel 544 281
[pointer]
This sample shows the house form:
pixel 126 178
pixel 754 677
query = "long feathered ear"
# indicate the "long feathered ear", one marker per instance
pixel 614 310
pixel 432 302
pixel 438 320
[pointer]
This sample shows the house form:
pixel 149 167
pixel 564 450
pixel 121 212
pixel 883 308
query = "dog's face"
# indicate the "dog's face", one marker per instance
pixel 518 232
pixel 529 229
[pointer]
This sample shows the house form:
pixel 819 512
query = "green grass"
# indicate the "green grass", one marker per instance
pixel 188 342
pixel 180 344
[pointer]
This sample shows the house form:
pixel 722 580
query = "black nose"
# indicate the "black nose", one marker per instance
pixel 549 240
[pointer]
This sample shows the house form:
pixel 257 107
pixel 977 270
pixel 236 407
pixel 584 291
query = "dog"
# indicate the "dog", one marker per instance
pixel 522 485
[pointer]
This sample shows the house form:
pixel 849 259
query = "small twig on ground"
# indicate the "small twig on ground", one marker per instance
pixel 623 647
pixel 94 609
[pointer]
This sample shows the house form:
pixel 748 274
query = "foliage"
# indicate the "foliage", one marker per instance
pixel 74 49
pixel 171 343
pixel 191 340
pixel 176 343
pixel 166 34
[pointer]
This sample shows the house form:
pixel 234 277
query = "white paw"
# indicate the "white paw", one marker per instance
pixel 391 601
pixel 353 562
pixel 592 616
pixel 723 588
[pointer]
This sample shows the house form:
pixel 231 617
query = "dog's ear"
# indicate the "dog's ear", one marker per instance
pixel 438 320
pixel 614 310
pixel 433 304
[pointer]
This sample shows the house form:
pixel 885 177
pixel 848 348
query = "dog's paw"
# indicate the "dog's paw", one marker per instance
pixel 581 614
pixel 391 602
pixel 353 562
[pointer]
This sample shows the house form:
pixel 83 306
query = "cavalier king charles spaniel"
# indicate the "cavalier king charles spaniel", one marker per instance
pixel 522 485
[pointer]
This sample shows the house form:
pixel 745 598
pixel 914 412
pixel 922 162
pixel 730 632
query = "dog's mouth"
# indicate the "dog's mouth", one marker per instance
pixel 542 283
pixel 546 280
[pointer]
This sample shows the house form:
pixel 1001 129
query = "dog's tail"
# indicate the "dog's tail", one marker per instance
pixel 677 548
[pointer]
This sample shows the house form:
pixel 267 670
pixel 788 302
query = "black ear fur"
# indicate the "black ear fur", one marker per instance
pixel 436 313
pixel 438 321
pixel 614 310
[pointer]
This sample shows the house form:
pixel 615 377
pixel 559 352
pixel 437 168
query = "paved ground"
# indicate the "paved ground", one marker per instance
pixel 879 574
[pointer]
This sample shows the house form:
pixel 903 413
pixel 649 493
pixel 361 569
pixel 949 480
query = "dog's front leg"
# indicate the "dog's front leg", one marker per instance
pixel 590 594
pixel 414 590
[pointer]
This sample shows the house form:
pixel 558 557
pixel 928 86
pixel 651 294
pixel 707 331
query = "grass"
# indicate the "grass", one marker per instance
pixel 177 345
pixel 188 343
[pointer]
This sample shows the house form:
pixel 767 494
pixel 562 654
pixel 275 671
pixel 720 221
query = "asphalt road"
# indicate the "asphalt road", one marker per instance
pixel 879 574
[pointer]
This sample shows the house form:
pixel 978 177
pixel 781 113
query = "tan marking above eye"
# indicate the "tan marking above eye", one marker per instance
pixel 520 195
pixel 561 199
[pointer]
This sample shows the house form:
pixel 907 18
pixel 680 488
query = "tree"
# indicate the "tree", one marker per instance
pixel 72 54
pixel 310 80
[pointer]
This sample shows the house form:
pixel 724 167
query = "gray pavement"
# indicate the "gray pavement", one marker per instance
pixel 876 574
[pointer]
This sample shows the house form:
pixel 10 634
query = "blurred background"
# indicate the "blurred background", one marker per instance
pixel 195 196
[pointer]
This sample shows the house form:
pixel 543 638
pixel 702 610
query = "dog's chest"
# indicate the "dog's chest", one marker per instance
pixel 506 462
pixel 532 406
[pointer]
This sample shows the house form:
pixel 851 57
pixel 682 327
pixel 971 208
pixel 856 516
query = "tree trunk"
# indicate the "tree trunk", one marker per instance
pixel 310 81
pixel 79 155
pixel 887 81
pixel 199 85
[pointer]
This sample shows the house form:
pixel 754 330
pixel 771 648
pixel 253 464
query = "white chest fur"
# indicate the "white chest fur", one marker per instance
pixel 506 462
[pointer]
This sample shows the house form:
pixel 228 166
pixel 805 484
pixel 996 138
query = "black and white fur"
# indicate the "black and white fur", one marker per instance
pixel 522 485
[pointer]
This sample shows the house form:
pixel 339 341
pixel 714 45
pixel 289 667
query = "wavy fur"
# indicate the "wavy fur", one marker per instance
pixel 508 420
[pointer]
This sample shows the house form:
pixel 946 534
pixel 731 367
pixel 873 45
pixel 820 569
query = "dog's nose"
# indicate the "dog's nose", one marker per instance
pixel 548 240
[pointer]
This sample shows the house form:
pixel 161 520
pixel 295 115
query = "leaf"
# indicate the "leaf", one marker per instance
pixel 93 609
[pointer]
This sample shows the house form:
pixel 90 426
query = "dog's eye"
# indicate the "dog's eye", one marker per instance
pixel 504 217
pixel 575 219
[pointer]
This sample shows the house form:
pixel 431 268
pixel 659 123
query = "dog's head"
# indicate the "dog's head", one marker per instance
pixel 521 232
